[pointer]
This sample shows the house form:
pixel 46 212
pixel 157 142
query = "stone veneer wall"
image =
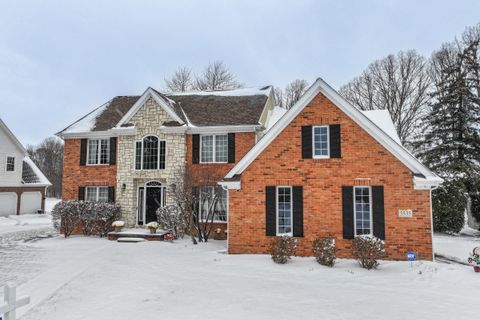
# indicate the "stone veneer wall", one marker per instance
pixel 147 121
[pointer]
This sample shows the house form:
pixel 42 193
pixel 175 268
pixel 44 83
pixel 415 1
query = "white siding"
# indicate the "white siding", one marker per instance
pixel 9 149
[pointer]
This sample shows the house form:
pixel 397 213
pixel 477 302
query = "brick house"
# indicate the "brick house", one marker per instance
pixel 328 169
pixel 131 149
pixel 22 184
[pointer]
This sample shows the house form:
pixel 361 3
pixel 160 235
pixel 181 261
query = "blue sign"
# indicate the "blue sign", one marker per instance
pixel 411 256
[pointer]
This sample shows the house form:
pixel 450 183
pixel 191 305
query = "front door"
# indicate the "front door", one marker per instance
pixel 153 201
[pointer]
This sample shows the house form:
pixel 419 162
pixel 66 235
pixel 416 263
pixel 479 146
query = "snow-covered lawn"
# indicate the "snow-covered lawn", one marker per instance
pixel 456 247
pixel 91 278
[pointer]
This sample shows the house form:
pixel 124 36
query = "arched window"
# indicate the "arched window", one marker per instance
pixel 150 154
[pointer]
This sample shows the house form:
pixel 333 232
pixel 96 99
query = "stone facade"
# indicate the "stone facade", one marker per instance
pixel 363 157
pixel 147 122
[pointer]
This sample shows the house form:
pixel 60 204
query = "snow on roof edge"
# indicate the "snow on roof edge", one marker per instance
pixel 38 172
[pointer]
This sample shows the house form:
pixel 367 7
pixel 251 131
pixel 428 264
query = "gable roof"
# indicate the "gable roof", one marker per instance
pixel 12 137
pixel 320 86
pixel 32 175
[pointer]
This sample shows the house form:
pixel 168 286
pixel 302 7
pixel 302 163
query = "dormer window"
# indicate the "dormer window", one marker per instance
pixel 10 164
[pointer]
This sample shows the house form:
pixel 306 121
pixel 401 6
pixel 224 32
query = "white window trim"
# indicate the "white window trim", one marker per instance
pixel 97 192
pixel 355 210
pixel 141 154
pixel 14 164
pixel 214 148
pixel 276 210
pixel 99 150
pixel 200 206
pixel 314 156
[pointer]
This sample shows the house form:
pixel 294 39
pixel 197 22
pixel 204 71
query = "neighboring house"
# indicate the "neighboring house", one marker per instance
pixel 328 169
pixel 132 148
pixel 22 184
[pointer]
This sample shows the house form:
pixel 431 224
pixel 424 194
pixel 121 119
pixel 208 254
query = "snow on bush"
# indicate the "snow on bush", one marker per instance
pixel 92 217
pixel 170 218
pixel 367 249
pixel 324 251
pixel 282 248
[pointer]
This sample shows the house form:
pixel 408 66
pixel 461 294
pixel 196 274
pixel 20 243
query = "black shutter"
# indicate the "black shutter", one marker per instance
pixel 271 211
pixel 81 193
pixel 195 148
pixel 335 141
pixel 195 199
pixel 111 194
pixel 297 211
pixel 113 150
pixel 307 142
pixel 378 212
pixel 83 152
pixel 231 148
pixel 347 212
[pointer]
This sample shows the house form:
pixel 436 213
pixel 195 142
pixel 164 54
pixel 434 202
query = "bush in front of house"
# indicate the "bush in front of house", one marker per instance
pixel 282 248
pixel 449 202
pixel 367 250
pixel 92 218
pixel 170 218
pixel 324 251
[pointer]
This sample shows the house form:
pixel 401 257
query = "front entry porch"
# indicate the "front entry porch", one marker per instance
pixel 150 196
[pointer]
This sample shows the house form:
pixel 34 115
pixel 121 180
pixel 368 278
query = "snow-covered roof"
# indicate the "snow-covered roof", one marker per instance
pixel 87 123
pixel 253 91
pixel 382 119
pixel 32 175
pixel 275 114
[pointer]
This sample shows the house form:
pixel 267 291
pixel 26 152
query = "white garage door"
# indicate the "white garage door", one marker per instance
pixel 8 203
pixel 30 202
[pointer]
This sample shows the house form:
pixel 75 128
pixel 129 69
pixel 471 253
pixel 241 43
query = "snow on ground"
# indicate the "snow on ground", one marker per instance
pixel 92 278
pixel 456 247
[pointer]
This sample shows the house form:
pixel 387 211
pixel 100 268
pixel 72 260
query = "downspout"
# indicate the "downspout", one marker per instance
pixel 228 214
pixel 431 222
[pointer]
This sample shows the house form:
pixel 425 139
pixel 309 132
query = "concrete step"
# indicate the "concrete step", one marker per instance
pixel 130 240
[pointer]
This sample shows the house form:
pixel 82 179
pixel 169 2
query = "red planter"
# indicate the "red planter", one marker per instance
pixel 476 269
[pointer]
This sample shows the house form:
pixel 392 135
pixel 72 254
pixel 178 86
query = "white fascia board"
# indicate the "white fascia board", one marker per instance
pixel 230 185
pixel 211 129
pixel 320 86
pixel 141 101
pixel 426 183
pixel 115 132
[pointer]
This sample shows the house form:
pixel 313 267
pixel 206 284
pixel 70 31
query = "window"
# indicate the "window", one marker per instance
pixel 321 148
pixel 10 163
pixel 207 194
pixel 214 148
pixel 99 194
pixel 363 211
pixel 98 151
pixel 150 154
pixel 284 210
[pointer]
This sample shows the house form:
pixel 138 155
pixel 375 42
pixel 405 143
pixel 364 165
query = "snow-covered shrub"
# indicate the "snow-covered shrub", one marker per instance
pixel 105 213
pixel 324 251
pixel 65 217
pixel 170 218
pixel 367 250
pixel 282 248
pixel 448 203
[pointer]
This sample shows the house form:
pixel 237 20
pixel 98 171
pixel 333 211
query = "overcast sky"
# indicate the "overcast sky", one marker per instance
pixel 60 59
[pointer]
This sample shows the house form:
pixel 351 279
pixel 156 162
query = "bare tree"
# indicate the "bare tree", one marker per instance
pixel 216 76
pixel 292 93
pixel 180 81
pixel 278 93
pixel 398 83
pixel 48 156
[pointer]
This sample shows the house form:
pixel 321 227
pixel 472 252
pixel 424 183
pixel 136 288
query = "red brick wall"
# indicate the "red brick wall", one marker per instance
pixel 214 172
pixel 281 163
pixel 75 175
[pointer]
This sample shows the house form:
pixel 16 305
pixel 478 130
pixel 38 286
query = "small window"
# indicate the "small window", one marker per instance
pixel 98 151
pixel 363 211
pixel 10 163
pixel 214 149
pixel 150 154
pixel 207 194
pixel 99 194
pixel 321 147
pixel 284 210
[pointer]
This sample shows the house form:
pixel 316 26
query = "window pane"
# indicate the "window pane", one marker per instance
pixel 207 149
pixel 10 163
pixel 320 138
pixel 92 151
pixel 221 148
pixel 209 194
pixel 138 155
pixel 150 153
pixel 162 154
pixel 284 210
pixel 91 194
pixel 362 210
pixel 102 194
pixel 104 151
